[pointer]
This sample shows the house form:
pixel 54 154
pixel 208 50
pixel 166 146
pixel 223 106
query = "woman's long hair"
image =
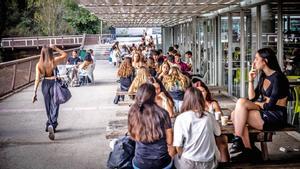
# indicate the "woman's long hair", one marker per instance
pixel 141 77
pixel 146 120
pixel 46 59
pixel 271 60
pixel 175 75
pixel 126 68
pixel 160 68
pixel 208 95
pixel 162 89
pixel 193 100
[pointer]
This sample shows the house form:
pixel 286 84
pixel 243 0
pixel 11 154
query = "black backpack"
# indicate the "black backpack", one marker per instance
pixel 122 154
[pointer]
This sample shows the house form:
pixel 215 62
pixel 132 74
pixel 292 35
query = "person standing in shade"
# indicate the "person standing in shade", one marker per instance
pixel 45 68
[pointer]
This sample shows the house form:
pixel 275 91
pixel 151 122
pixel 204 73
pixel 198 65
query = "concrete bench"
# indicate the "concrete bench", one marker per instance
pixel 256 136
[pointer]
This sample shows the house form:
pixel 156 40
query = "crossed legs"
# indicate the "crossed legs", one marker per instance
pixel 246 112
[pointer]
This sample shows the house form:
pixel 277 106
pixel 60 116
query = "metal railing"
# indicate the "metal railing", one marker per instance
pixel 17 74
pixel 21 42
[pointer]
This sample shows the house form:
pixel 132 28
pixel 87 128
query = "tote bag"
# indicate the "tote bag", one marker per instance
pixel 61 92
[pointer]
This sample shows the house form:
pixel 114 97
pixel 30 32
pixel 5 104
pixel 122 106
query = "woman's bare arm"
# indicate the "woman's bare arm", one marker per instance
pixel 36 82
pixel 169 140
pixel 217 107
pixel 61 58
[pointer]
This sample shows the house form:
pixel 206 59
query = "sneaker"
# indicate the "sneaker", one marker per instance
pixel 46 129
pixel 248 155
pixel 237 145
pixel 51 132
pixel 243 157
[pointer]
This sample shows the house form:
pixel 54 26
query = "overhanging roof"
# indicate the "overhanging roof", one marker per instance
pixel 152 13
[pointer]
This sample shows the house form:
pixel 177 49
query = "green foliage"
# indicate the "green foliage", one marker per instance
pixel 81 19
pixel 46 17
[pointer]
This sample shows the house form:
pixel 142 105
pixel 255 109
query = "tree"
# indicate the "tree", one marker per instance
pixel 49 17
pixel 81 19
pixel 46 17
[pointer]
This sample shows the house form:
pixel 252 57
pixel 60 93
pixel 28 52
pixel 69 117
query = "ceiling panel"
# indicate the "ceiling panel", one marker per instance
pixel 141 13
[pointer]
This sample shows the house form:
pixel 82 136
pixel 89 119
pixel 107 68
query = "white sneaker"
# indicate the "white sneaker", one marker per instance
pixel 51 132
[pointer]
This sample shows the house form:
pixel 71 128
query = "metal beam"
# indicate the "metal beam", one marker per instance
pixel 220 59
pixel 243 54
pixel 229 54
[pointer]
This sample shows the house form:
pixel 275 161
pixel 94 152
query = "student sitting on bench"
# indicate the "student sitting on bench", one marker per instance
pixel 266 109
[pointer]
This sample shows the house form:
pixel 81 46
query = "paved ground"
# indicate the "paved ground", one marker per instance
pixel 83 126
pixel 80 141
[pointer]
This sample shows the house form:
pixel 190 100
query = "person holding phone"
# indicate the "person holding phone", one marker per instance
pixel 45 68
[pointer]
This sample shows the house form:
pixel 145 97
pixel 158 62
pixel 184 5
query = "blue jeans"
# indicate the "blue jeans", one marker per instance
pixel 167 167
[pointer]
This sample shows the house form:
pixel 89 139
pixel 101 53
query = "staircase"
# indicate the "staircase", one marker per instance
pixel 101 51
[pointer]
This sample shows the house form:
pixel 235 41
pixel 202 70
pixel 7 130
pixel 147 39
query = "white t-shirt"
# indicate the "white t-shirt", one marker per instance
pixel 196 136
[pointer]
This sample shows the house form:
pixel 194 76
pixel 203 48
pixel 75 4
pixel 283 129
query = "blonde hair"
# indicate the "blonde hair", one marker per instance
pixel 161 66
pixel 126 68
pixel 141 77
pixel 175 75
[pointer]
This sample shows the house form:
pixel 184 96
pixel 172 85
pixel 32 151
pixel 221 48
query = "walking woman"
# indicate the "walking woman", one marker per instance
pixel 194 134
pixel 150 126
pixel 266 107
pixel 45 68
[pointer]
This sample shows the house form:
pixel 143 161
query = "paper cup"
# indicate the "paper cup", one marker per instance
pixel 217 115
pixel 224 120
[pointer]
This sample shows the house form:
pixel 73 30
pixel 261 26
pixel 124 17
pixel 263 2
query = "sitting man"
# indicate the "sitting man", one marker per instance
pixel 74 59
pixel 73 73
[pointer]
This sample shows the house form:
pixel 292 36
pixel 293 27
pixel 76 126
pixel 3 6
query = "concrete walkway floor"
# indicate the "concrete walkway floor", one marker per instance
pixel 80 139
pixel 84 123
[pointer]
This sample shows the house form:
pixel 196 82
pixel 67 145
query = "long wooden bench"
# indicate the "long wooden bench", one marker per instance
pixel 256 136
pixel 124 93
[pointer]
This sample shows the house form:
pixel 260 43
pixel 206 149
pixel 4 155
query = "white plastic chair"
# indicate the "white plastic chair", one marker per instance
pixel 88 74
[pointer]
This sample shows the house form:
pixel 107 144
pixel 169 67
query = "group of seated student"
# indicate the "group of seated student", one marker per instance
pixel 173 74
pixel 195 140
pixel 79 66
pixel 193 144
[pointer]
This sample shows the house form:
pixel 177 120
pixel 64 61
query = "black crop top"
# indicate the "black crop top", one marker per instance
pixel 278 89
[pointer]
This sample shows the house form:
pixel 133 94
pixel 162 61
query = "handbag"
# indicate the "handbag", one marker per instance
pixel 61 93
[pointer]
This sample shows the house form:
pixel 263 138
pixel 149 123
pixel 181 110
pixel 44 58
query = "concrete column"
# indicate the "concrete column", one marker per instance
pixel 243 54
pixel 280 35
pixel 220 60
pixel 258 28
pixel 230 54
